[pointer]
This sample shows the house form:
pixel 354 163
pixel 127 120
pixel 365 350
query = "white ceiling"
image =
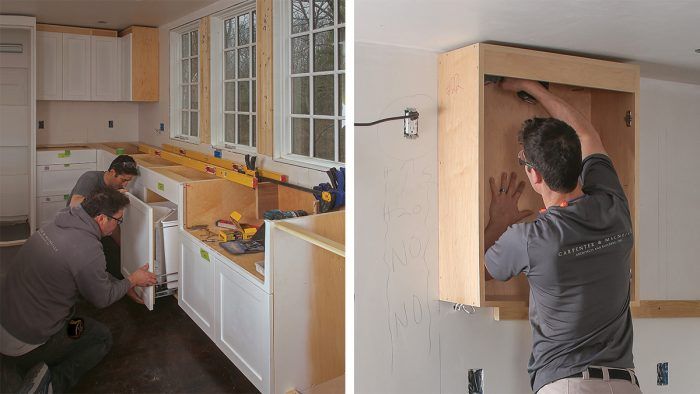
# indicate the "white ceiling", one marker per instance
pixel 659 35
pixel 118 14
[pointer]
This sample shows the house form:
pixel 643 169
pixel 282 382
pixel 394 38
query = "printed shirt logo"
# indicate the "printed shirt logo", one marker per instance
pixel 595 246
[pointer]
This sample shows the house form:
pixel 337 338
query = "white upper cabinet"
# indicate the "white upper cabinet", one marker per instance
pixel 106 73
pixel 76 67
pixel 125 72
pixel 49 60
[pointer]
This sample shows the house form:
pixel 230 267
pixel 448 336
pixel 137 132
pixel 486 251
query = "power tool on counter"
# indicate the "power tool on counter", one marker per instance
pixel 332 195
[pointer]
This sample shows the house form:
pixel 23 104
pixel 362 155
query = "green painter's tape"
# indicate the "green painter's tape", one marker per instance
pixel 161 187
pixel 65 196
pixel 204 254
pixel 120 151
pixel 66 153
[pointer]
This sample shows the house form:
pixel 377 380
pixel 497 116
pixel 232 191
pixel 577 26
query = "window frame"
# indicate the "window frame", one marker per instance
pixel 282 79
pixel 217 80
pixel 175 80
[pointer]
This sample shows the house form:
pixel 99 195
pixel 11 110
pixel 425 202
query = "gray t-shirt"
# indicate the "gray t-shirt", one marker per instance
pixel 87 182
pixel 577 262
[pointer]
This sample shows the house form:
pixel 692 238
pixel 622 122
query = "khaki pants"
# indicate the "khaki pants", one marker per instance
pixel 590 386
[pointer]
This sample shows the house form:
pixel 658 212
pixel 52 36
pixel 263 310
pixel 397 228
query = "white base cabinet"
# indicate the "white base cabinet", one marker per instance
pixel 196 293
pixel 244 312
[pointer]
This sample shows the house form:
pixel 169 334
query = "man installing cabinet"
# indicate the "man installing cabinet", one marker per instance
pixel 576 254
pixel 120 172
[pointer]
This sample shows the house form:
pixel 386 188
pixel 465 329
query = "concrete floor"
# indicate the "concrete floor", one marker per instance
pixel 153 352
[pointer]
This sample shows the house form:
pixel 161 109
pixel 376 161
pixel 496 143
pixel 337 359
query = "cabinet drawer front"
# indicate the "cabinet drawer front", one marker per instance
pixel 244 324
pixel 47 207
pixel 59 179
pixel 66 156
pixel 163 186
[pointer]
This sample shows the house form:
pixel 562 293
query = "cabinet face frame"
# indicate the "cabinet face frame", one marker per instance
pixel 462 180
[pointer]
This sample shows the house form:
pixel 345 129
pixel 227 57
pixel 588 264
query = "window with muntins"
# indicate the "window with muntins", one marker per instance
pixel 314 124
pixel 239 93
pixel 185 84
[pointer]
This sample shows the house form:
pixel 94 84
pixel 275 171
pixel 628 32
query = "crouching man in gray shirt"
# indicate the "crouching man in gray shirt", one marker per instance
pixel 58 263
pixel 576 254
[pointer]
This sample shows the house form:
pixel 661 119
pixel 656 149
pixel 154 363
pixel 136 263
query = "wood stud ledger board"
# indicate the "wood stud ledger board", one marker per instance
pixel 478 126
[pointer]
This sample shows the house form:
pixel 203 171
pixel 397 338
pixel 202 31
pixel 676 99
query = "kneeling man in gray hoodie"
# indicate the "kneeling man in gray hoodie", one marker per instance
pixel 59 262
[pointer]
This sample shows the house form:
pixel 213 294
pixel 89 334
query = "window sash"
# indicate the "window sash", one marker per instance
pixel 287 119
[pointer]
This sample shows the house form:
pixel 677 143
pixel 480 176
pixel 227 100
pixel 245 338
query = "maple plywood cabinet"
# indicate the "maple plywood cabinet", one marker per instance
pixel 139 63
pixel 478 125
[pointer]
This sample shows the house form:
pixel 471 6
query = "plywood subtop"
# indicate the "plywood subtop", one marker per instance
pixel 245 261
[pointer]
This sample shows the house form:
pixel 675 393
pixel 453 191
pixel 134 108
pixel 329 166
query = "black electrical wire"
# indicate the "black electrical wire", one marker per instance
pixel 413 115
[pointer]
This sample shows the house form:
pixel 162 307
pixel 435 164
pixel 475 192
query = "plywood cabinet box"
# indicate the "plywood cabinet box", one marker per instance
pixel 478 126
pixel 139 63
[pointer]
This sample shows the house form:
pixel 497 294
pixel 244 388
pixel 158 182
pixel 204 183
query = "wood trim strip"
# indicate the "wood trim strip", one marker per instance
pixel 265 93
pixel 86 31
pixel 320 241
pixel 649 309
pixel 558 68
pixel 204 82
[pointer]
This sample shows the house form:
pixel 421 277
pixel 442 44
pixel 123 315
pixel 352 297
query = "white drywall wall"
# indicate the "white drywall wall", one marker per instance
pixel 86 121
pixel 405 340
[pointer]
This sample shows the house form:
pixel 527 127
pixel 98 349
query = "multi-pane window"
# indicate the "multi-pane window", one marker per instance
pixel 239 112
pixel 316 79
pixel 189 84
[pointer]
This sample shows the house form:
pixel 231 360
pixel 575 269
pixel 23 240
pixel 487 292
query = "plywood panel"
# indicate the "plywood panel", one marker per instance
pixel 504 114
pixel 265 97
pixel 565 69
pixel 144 63
pixel 622 144
pixel 309 311
pixel 75 30
pixel 459 168
pixel 206 202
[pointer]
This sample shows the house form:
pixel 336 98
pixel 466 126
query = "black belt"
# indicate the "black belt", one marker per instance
pixel 614 373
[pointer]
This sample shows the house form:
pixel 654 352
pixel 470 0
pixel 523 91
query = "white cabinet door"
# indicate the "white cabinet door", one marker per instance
pixel 106 70
pixel 196 286
pixel 49 64
pixel 137 243
pixel 244 324
pixel 76 67
pixel 125 46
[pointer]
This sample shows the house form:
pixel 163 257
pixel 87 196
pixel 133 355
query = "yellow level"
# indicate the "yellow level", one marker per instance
pixel 221 172
pixel 231 165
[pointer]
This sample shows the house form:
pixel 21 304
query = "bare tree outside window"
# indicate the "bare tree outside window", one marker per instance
pixel 239 49
pixel 317 79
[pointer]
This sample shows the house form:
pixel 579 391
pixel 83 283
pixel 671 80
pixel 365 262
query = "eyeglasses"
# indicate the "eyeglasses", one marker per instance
pixel 522 161
pixel 119 221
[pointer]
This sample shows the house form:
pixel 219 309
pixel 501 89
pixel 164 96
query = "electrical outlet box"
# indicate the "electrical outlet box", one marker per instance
pixel 475 381
pixel 662 374
pixel 110 124
pixel 410 125
pixel 162 127
pixel 41 124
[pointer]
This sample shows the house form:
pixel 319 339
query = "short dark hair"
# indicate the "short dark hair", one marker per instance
pixel 104 200
pixel 554 149
pixel 124 164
